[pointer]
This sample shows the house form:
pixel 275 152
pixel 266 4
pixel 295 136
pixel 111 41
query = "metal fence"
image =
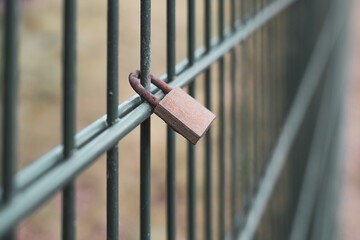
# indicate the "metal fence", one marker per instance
pixel 279 131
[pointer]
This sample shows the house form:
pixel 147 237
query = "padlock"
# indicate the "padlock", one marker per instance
pixel 178 109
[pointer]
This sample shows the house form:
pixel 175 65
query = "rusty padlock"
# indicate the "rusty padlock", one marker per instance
pixel 178 109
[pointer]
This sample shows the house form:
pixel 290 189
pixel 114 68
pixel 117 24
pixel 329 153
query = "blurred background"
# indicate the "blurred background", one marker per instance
pixel 40 116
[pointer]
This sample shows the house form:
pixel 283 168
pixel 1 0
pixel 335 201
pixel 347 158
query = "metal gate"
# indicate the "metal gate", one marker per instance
pixel 283 61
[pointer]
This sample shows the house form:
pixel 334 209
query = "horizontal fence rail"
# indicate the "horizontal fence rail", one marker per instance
pixel 280 61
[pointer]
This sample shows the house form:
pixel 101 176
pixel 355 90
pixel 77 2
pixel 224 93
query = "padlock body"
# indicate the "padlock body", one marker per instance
pixel 184 114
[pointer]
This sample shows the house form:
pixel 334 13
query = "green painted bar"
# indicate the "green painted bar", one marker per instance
pixel 255 107
pixel 112 161
pixel 222 144
pixel 234 130
pixel 145 181
pixel 10 98
pixel 171 140
pixel 10 102
pixel 171 184
pixel 112 196
pixel 192 182
pixel 191 176
pixel 222 131
pixel 251 119
pixel 234 143
pixel 243 143
pixel 264 100
pixel 233 9
pixel 208 163
pixel 69 115
pixel 208 138
pixel 145 148
pixel 242 11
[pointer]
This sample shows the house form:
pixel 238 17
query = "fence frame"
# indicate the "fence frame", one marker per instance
pixel 25 191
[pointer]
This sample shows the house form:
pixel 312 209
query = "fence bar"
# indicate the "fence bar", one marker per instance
pixel 208 137
pixel 10 100
pixel 145 166
pixel 242 10
pixel 234 131
pixel 221 149
pixel 69 115
pixel 258 99
pixel 191 148
pixel 241 167
pixel 171 140
pixel 221 169
pixel 244 128
pixel 254 107
pixel 112 163
pixel 233 9
pixel 265 100
pixel 234 156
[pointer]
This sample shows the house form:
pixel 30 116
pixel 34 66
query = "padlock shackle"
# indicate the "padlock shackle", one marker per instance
pixel 145 94
pixel 160 84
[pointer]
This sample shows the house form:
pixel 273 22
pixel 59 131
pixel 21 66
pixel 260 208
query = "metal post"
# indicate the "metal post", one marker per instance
pixel 69 114
pixel 191 148
pixel 208 139
pixel 10 100
pixel 171 140
pixel 145 166
pixel 234 131
pixel 222 137
pixel 112 163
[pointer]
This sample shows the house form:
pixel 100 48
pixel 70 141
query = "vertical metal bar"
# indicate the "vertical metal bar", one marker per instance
pixel 69 114
pixel 221 169
pixel 276 228
pixel 233 146
pixel 233 141
pixel 244 120
pixel 10 99
pixel 221 149
pixel 245 127
pixel 191 147
pixel 171 140
pixel 233 15
pixel 254 110
pixel 221 9
pixel 266 98
pixel 208 163
pixel 261 97
pixel 208 25
pixel 242 11
pixel 112 184
pixel 208 139
pixel 145 170
pixel 271 111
